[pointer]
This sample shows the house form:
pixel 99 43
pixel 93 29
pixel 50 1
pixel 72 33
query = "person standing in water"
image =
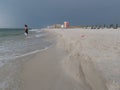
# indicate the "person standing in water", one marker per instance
pixel 26 30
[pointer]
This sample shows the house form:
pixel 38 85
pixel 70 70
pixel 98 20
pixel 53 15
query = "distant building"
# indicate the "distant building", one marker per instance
pixel 57 25
pixel 66 24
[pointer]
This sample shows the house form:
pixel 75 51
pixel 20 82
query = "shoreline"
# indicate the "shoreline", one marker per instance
pixel 12 66
pixel 39 72
pixel 79 60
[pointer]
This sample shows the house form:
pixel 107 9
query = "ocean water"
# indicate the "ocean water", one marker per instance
pixel 14 44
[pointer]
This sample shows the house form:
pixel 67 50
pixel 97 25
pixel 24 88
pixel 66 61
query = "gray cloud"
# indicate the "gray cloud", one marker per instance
pixel 36 13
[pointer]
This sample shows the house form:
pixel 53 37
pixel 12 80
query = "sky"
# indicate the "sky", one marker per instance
pixel 41 13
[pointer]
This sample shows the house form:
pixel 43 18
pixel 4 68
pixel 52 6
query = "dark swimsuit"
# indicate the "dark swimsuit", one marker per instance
pixel 26 30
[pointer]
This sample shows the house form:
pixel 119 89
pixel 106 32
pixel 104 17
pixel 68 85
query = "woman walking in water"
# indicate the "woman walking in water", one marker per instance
pixel 26 30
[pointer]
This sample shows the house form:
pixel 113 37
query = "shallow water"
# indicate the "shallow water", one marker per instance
pixel 14 44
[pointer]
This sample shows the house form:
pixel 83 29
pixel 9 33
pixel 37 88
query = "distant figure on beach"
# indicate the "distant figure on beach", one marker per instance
pixel 26 30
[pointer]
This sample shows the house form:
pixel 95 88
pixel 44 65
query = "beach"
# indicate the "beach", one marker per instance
pixel 80 59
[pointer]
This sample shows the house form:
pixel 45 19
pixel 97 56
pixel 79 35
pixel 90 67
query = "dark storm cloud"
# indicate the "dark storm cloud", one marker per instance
pixel 36 13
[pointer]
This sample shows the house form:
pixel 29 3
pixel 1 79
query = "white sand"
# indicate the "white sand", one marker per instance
pixel 44 72
pixel 82 60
